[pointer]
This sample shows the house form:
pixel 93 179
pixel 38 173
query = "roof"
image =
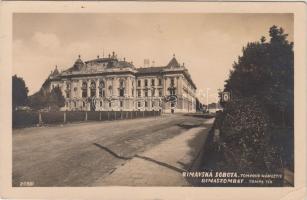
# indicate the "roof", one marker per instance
pixel 100 60
pixel 147 70
pixel 113 62
pixel 173 63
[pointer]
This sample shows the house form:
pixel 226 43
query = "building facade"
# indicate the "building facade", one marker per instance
pixel 112 84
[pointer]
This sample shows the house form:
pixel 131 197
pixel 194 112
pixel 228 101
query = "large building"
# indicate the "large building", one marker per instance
pixel 113 84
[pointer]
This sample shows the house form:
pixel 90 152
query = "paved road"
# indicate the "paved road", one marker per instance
pixel 81 154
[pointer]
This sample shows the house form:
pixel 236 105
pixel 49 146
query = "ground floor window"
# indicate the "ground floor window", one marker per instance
pixel 172 104
pixel 121 104
pixel 100 103
pixel 146 104
pixel 139 104
pixel 110 104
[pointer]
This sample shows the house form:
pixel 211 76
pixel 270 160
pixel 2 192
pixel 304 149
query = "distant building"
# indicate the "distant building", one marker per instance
pixel 113 84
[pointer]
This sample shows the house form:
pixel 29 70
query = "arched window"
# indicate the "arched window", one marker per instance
pixel 84 89
pixel 101 89
pixel 110 90
pixel 93 89
pixel 121 88
pixel 67 90
pixel 172 82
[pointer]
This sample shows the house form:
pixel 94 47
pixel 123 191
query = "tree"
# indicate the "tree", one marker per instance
pixel 19 92
pixel 47 99
pixel 55 98
pixel 266 71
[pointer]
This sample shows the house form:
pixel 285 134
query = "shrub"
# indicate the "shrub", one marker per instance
pixel 53 117
pixel 75 116
pixel 24 119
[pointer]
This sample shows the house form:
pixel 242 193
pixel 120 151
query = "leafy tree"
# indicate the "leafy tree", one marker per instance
pixel 55 98
pixel 20 92
pixel 266 71
pixel 47 99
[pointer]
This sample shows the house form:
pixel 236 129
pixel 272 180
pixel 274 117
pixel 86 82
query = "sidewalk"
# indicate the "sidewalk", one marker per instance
pixel 162 165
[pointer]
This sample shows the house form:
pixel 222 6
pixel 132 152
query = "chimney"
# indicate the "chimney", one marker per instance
pixel 146 62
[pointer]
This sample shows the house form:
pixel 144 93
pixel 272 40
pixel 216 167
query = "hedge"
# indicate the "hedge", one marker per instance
pixel 25 118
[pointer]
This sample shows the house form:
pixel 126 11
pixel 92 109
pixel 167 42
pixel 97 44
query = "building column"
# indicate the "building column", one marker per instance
pixel 79 89
pixel 164 86
pixel 97 88
pixel 127 87
pixel 114 86
pixel 180 88
pixel 88 88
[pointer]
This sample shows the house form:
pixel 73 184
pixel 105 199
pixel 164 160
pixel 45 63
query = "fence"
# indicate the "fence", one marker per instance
pixel 33 118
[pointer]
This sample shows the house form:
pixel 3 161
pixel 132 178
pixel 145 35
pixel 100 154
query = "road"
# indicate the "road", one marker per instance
pixel 81 154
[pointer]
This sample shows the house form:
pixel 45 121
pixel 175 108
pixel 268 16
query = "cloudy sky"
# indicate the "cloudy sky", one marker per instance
pixel 208 44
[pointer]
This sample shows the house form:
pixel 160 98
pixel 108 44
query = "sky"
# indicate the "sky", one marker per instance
pixel 208 44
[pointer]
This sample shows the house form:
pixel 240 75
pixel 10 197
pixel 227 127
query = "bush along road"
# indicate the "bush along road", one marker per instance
pixel 254 133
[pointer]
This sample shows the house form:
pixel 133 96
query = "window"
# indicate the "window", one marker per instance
pixel 146 104
pixel 75 104
pixel 172 82
pixel 153 82
pixel 121 83
pixel 121 88
pixel 121 104
pixel 100 103
pixel 146 83
pixel 139 104
pixel 110 104
pixel 153 104
pixel 67 93
pixel 172 91
pixel 139 83
pixel 146 93
pixel 132 92
pixel 84 89
pixel 160 92
pixel 110 90
pixel 121 92
pixel 83 104
pixel 93 89
pixel 160 81
pixel 139 93
pixel 101 89
pixel 67 90
pixel 153 92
